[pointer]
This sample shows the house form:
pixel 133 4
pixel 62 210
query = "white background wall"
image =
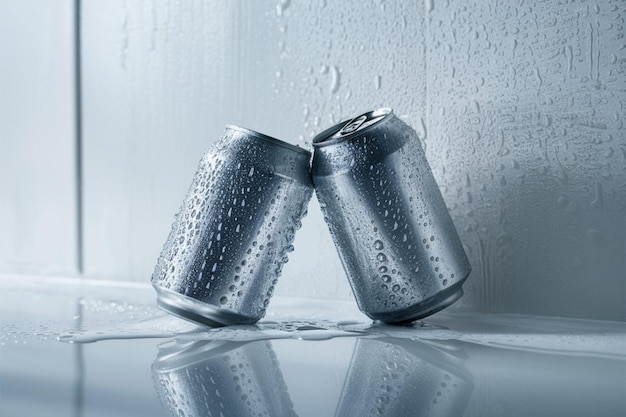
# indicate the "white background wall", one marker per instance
pixel 520 106
pixel 38 217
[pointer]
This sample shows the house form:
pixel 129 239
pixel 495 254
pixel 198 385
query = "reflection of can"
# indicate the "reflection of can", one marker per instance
pixel 221 378
pixel 234 230
pixel 395 377
pixel 395 237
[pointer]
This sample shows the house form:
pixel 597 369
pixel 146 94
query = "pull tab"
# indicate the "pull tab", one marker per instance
pixel 361 122
pixel 353 125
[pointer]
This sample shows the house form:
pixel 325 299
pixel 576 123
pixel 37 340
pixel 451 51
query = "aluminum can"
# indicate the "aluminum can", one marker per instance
pixel 234 230
pixel 221 378
pixel 401 377
pixel 396 240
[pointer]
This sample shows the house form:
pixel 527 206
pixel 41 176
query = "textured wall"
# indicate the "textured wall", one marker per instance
pixel 520 106
pixel 526 133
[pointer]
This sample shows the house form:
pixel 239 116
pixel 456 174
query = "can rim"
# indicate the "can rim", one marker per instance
pixel 325 137
pixel 269 139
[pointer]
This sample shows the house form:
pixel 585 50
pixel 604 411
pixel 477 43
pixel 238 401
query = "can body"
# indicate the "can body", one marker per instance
pixel 234 230
pixel 393 377
pixel 393 232
pixel 221 378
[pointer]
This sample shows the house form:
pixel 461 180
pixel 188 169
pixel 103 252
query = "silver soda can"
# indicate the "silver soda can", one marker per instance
pixel 393 377
pixel 233 232
pixel 394 234
pixel 221 378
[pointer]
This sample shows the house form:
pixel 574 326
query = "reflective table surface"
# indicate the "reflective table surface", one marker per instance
pixel 72 347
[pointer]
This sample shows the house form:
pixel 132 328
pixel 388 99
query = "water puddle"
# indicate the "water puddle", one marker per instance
pixel 90 314
pixel 581 338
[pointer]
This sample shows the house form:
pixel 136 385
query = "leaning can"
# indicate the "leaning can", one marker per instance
pixel 396 240
pixel 234 230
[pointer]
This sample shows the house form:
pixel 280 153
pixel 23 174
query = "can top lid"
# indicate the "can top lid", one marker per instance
pixel 270 139
pixel 350 127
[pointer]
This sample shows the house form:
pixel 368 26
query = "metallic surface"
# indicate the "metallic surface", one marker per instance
pixel 221 378
pixel 234 230
pixel 409 378
pixel 395 237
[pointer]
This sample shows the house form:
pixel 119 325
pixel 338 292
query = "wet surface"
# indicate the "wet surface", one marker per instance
pixel 72 348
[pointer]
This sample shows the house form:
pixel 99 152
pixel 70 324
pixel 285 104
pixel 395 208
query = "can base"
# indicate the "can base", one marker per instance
pixel 424 308
pixel 193 310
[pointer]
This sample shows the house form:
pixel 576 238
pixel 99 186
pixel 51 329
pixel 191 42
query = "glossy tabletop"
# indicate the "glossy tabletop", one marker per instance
pixel 72 347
